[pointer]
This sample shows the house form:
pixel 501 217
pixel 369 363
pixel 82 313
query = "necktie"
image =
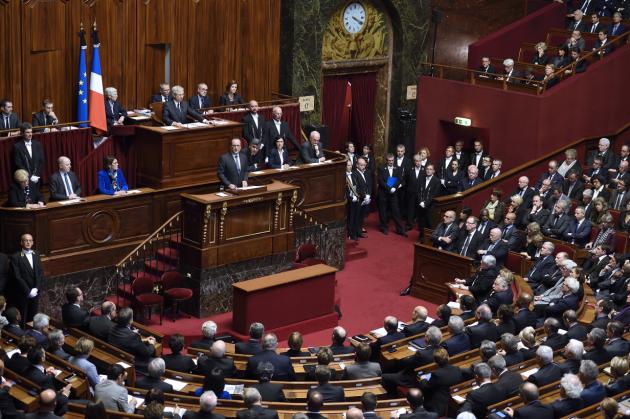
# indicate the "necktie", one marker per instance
pixel 585 7
pixel 200 102
pixel 618 201
pixel 465 246
pixel 6 122
pixel 556 220
pixel 111 105
pixel 505 232
pixel 178 108
pixel 522 192
pixel 238 163
pixel 570 189
pixel 614 31
pixel 490 247
pixel 67 182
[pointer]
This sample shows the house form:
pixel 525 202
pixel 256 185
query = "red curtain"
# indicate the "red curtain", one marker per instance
pixel 74 144
pixel 363 102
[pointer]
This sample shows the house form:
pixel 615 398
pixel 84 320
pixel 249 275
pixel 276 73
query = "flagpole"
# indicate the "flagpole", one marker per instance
pixel 82 85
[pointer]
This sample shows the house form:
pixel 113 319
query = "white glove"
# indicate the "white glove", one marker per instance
pixel 33 293
pixel 34 178
pixel 443 182
pixel 422 204
pixel 392 190
pixel 355 199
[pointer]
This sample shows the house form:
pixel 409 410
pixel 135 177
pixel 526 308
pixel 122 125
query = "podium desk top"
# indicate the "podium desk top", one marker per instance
pixel 283 278
pixel 273 187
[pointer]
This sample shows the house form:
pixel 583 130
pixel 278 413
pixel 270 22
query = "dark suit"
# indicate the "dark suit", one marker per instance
pixel 100 326
pixel 200 102
pixel 564 407
pixel 7 407
pixel 577 331
pixel 473 244
pixel 57 187
pixel 270 133
pixel 413 178
pixel 74 316
pixel 555 341
pixel 257 412
pixel 270 392
pixel 149 382
pixel 308 153
pixel 251 347
pixel 14 329
pixel 498 249
pixel 480 283
pixel 205 365
pixel 20 197
pixel 497 298
pixel 436 390
pixel 597 355
pixel 534 409
pixel 283 369
pixel 113 112
pixel 383 340
pixel 576 190
pixel 539 216
pixel 488 70
pixel 39 337
pixel 578 233
pixel 556 225
pixel 456 344
pixel 387 200
pixel 170 113
pixel 618 347
pixel 203 343
pixel 330 393
pixel 228 172
pixel 274 158
pixel 179 362
pixel 473 157
pixel 21 159
pixel 617 29
pixel 251 130
pixel 45 381
pixel 466 183
pixel 201 415
pixel 593 393
pixel 451 231
pixel 12 122
pixel 26 278
pixel 411 329
pixel 129 341
pixel 160 98
pixel 18 364
pixel 509 382
pixel 424 200
pixel 543 268
pixel 341 349
pixel 558 306
pixel 419 413
pixel 42 118
pixel 546 375
pixel 580 25
pixel 482 331
pixel 479 399
pixel 570 366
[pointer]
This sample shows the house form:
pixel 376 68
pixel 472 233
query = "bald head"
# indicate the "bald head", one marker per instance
pixel 354 413
pixel 47 399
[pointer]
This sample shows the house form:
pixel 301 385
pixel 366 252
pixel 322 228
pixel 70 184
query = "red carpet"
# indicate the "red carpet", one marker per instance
pixel 369 289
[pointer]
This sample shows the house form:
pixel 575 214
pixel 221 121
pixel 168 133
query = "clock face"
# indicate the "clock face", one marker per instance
pixel 354 17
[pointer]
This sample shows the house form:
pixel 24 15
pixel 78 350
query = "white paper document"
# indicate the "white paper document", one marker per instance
pixel 177 385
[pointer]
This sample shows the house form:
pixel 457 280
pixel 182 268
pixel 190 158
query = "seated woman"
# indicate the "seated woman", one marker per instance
pixel 230 97
pixel 541 57
pixel 533 241
pixel 215 381
pixel 516 206
pixel 562 59
pixel 111 180
pixel 453 176
pixel 600 208
pixel 528 339
pixel 24 193
pixel 624 218
pixel 278 156
pixel 570 163
pixel 83 348
pixel 549 76
pixel 495 207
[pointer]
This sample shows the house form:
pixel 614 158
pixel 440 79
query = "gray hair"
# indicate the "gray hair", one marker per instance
pixel 485 313
pixel 110 91
pixel 508 61
pixel 483 370
pixel 587 192
pixel 251 396
pixel 455 325
pixel 256 330
pixel 572 284
pixel 40 321
pixel 270 342
pixel 156 367
pixel 502 282
pixel 208 401
pixel 569 264
pixel 589 370
pixel 209 329
pixel 545 353
pixel 487 345
pixel 433 336
pixel 489 260
pixel 509 342
pixel 177 90
pixel 56 337
pixel 497 362
pixel 217 349
pixel 575 348
pixel 572 385
pixel 605 141
pixel 466 415
pixel 299 415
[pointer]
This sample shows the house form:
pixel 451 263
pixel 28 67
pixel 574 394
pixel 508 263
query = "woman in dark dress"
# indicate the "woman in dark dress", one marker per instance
pixel 541 57
pixel 453 177
pixel 624 219
pixel 23 192
pixel 528 339
pixel 562 59
pixel 533 241
pixel 230 97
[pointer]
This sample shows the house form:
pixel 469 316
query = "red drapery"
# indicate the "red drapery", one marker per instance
pixel 363 102
pixel 74 144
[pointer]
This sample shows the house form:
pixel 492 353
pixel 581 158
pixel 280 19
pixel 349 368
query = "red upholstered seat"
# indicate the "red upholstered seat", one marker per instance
pixel 305 251
pixel 142 288
pixel 179 293
pixel 174 291
pixel 150 299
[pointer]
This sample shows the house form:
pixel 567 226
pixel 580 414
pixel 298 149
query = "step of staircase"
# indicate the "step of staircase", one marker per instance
pixel 176 240
pixel 168 255
pixel 158 267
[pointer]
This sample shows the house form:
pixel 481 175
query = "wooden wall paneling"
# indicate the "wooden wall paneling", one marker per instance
pixel 10 62
pixel 201 68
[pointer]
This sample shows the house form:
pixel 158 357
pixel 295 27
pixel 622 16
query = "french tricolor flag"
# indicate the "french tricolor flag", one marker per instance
pixel 97 99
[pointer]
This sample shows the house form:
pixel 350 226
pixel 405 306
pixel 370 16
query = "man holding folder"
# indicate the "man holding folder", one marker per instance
pixel 389 182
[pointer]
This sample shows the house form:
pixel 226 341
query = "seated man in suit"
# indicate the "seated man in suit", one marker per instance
pixel 7 405
pixel 255 157
pixel 329 392
pixel 252 346
pixel 558 222
pixel 390 324
pixel 14 318
pixel 495 246
pixel 486 68
pixel 553 339
pixel 164 95
pixel 459 341
pixel 524 316
pixel 46 116
pixel 56 340
pixel 480 283
pixel 471 179
pixel 362 367
pixel 113 393
pixel 72 315
pixel 114 112
pixel 176 111
pixel 99 326
pixel 314 404
pixel 415 398
pixel 445 235
pixel 156 369
pixel 596 342
pixel 548 371
pixel 207 403
pixel 311 151
pixel 18 363
pixel 270 392
pixel 208 331
pixel 368 405
pixel 253 402
pixel 64 184
pixel 508 382
pixel 44 378
pixel 511 75
pixel 579 232
pixel 8 119
pixel 470 241
pixel 501 291
pixel 232 167
pixel 568 301
pixel 569 401
pixel 282 364
pixel 216 359
pixel 436 385
pixel 418 322
pixel 573 353
pixel 594 391
pixel 574 329
pixel 478 400
pixel 39 331
pixel 122 336
pixel 532 408
pixel 176 361
pixel 616 345
pixel 484 329
pixel 201 100
pixel 467 305
pixel 338 338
